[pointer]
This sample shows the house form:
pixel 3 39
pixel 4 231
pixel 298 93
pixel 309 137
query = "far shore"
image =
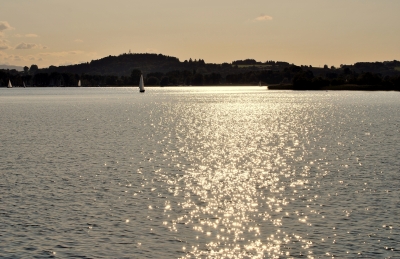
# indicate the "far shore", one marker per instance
pixel 345 87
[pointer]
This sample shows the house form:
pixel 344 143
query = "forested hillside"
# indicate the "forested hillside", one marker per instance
pixel 161 70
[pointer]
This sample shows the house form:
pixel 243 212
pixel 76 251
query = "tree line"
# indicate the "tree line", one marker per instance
pixel 306 80
pixel 298 77
pixel 160 70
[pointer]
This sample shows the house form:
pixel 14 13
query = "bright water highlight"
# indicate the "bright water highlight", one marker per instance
pixel 198 172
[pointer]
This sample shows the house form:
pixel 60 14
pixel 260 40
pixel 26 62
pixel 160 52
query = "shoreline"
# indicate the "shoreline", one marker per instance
pixel 345 87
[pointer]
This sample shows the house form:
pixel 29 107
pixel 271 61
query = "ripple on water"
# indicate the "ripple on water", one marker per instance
pixel 199 172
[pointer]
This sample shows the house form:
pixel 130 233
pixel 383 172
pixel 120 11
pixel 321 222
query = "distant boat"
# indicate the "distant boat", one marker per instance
pixel 79 83
pixel 141 84
pixel 9 84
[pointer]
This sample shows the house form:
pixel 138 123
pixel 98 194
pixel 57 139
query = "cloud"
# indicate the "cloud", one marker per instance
pixel 4 44
pixel 24 45
pixel 43 57
pixel 5 26
pixel 29 35
pixel 17 58
pixel 263 18
pixel 4 56
pixel 61 53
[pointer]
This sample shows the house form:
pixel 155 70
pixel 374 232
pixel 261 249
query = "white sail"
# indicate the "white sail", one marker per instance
pixel 79 83
pixel 141 84
pixel 9 84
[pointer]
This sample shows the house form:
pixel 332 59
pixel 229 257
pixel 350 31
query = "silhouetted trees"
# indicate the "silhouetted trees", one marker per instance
pixel 164 81
pixel 135 76
pixel 33 69
pixel 163 70
pixel 152 80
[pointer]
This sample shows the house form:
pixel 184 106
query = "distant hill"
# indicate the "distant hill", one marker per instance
pixel 122 65
pixel 384 68
pixel 158 69
pixel 18 68
pixel 147 63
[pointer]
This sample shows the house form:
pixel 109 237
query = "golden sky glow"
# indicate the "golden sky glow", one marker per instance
pixel 309 32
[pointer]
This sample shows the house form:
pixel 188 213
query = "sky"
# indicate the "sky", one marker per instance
pixel 303 32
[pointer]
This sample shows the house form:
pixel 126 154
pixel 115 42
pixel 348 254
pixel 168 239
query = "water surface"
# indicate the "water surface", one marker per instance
pixel 200 172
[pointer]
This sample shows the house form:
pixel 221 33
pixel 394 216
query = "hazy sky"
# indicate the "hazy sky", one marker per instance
pixel 308 32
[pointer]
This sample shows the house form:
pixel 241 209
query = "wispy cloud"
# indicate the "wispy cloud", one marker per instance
pixel 17 58
pixel 24 45
pixel 5 26
pixel 29 35
pixel 4 44
pixel 11 57
pixel 43 57
pixel 262 18
pixel 4 56
pixel 61 53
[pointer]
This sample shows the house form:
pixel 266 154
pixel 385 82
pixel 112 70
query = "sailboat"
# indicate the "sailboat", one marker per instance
pixel 141 84
pixel 9 84
pixel 79 83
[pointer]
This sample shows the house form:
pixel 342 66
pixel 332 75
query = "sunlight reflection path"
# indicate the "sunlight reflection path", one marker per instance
pixel 236 185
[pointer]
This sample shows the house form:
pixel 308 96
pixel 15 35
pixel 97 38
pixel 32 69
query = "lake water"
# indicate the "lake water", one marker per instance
pixel 203 172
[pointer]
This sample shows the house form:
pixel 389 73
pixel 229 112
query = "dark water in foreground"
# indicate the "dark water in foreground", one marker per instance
pixel 199 172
